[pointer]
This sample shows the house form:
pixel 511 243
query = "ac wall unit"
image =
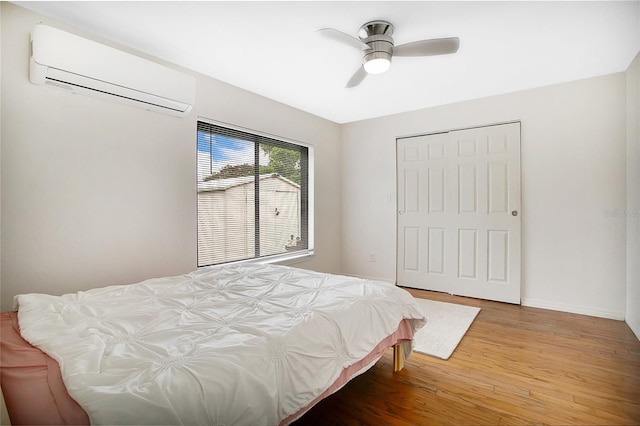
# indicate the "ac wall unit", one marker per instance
pixel 83 66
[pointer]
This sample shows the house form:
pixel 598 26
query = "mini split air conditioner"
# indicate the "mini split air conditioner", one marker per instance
pixel 83 66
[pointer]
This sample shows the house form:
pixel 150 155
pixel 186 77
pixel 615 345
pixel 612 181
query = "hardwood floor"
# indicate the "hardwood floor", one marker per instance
pixel 516 365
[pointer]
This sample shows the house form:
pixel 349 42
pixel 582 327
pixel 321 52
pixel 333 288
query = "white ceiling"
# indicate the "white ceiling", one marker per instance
pixel 272 48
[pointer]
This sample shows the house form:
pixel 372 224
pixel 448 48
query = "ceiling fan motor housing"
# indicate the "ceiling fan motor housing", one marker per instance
pixel 377 35
pixel 379 47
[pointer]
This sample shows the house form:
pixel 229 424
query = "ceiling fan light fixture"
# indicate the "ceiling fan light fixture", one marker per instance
pixel 377 62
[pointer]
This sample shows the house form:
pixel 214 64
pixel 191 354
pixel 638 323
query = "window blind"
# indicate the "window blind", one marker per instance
pixel 253 195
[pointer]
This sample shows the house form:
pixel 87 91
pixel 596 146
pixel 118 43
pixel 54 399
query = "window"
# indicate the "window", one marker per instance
pixel 253 196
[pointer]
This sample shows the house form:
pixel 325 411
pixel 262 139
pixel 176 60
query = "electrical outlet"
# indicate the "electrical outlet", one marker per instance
pixel 372 257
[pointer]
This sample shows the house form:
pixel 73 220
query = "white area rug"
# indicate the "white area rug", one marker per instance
pixel 446 324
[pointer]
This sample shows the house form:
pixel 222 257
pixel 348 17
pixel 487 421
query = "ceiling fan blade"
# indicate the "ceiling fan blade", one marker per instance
pixel 357 77
pixel 436 46
pixel 343 38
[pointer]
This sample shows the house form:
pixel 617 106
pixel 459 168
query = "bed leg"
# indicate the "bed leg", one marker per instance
pixel 400 355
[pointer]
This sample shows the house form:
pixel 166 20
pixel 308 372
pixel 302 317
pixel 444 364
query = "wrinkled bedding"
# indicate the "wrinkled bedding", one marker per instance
pixel 242 344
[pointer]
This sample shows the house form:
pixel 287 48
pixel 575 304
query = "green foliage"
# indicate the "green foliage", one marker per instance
pixel 283 161
pixel 232 171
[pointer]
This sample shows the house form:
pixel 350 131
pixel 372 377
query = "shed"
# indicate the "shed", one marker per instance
pixel 226 219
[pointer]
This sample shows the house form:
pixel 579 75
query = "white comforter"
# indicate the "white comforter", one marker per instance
pixel 250 344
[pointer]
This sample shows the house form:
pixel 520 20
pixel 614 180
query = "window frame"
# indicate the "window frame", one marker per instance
pixel 281 258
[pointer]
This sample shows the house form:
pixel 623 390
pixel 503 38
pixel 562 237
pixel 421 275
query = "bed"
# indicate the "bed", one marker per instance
pixel 243 344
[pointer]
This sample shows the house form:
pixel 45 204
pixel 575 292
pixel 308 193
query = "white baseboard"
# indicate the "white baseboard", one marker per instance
pixel 574 309
pixel 537 303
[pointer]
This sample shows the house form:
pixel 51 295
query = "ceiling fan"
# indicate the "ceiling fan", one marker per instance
pixel 374 39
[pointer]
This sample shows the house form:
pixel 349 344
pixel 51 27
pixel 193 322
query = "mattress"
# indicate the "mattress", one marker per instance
pixel 240 344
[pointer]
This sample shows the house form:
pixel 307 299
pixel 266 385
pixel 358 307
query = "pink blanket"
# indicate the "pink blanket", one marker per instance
pixel 31 382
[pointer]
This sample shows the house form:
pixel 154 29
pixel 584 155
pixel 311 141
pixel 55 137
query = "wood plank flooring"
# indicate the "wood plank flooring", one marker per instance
pixel 515 366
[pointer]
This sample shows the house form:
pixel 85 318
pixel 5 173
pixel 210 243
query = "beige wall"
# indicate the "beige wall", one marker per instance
pixel 97 193
pixel 633 196
pixel 573 174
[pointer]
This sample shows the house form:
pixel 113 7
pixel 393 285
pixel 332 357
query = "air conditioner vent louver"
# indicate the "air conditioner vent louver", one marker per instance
pixel 60 84
pixel 83 66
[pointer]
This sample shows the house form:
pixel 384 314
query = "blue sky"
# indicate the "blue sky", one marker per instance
pixel 225 150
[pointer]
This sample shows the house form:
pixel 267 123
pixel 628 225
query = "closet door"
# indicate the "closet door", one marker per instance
pixel 459 212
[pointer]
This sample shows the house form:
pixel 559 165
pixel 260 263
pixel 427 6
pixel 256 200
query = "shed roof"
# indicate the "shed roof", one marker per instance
pixel 224 184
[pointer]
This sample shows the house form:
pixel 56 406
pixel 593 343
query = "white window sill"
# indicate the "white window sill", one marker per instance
pixel 286 259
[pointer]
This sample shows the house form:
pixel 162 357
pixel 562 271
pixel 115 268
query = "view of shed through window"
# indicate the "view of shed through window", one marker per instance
pixel 252 195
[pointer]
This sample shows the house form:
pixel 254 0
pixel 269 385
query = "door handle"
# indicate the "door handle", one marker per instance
pixel 514 213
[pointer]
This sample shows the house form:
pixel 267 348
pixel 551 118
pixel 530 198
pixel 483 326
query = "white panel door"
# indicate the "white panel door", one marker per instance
pixel 423 219
pixel 459 212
